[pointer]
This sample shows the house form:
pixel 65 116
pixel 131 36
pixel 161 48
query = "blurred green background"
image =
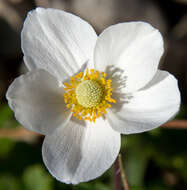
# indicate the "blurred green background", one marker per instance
pixel 155 160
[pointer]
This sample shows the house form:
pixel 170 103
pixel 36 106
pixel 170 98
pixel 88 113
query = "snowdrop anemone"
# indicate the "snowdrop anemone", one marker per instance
pixel 82 90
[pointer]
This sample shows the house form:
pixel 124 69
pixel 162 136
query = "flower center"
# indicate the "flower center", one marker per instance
pixel 89 93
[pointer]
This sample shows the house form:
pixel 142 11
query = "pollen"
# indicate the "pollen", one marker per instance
pixel 88 95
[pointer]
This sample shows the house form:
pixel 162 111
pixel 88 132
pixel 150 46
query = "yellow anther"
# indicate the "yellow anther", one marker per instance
pixel 88 95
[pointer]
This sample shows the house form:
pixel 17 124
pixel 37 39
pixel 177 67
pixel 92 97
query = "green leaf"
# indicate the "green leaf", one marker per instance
pixel 6 117
pixel 93 186
pixel 182 113
pixel 137 156
pixel 36 178
pixel 8 182
pixel 6 146
pixel 5 114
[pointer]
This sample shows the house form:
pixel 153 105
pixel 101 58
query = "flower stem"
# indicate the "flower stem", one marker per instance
pixel 176 124
pixel 119 175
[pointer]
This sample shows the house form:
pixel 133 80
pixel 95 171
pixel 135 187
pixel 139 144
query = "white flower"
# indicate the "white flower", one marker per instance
pixel 135 94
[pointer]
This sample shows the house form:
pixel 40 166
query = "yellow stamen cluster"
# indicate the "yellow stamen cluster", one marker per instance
pixel 89 95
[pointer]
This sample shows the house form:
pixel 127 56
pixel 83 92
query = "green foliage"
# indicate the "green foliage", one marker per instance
pixel 6 117
pixel 9 182
pixel 93 186
pixel 6 146
pixel 35 177
pixel 182 113
pixel 136 160
pixel 5 114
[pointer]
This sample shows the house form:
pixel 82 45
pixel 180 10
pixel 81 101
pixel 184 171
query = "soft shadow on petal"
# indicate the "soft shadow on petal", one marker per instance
pixel 38 102
pixel 118 85
pixel 57 41
pixel 134 47
pixel 79 152
pixel 152 106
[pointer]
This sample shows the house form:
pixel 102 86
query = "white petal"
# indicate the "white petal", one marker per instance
pixel 38 102
pixel 79 153
pixel 56 41
pixel 133 47
pixel 148 108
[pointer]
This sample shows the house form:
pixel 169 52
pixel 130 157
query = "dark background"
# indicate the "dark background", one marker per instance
pixel 155 160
